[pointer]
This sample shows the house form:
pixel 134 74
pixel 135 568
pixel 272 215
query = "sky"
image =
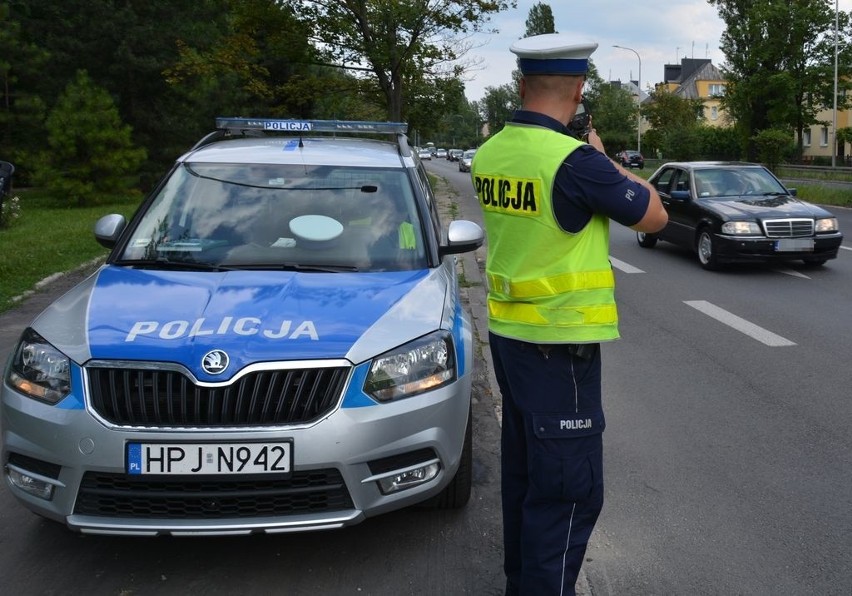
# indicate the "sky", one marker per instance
pixel 660 31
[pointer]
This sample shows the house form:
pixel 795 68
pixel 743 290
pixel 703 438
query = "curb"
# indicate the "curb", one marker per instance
pixel 43 283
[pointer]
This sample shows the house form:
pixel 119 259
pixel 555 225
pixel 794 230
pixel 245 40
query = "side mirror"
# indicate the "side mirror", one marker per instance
pixel 462 236
pixel 680 195
pixel 792 192
pixel 108 229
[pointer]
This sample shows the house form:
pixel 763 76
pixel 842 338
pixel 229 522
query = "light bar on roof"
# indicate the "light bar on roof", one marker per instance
pixel 272 125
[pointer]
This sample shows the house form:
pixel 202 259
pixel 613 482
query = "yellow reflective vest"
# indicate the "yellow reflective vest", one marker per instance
pixel 545 285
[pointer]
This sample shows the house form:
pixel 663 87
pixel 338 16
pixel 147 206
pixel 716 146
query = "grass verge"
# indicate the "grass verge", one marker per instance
pixel 49 238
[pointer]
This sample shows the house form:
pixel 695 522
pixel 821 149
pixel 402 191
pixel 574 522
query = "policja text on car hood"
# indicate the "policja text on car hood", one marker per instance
pixel 254 316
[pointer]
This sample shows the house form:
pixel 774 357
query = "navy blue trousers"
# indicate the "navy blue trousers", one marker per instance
pixel 552 461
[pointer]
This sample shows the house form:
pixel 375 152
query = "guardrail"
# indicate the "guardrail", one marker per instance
pixel 816 169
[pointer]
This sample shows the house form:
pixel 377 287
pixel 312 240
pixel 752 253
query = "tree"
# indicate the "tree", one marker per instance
pixel 397 41
pixel 772 145
pixel 21 110
pixel 674 122
pixel 265 56
pixel 498 105
pixel 613 111
pixel 540 20
pixel 125 47
pixel 90 155
pixel 778 55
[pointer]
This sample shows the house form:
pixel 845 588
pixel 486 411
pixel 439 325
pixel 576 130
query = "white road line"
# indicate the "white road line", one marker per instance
pixel 846 247
pixel 741 325
pixel 791 272
pixel 622 266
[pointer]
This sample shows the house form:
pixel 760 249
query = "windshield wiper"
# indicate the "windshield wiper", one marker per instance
pixel 300 268
pixel 169 264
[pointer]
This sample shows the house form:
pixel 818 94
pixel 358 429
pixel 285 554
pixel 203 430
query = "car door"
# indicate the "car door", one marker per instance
pixel 683 209
pixel 663 184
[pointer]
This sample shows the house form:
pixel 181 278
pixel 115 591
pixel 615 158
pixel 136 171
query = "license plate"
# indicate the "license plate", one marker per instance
pixel 794 245
pixel 201 459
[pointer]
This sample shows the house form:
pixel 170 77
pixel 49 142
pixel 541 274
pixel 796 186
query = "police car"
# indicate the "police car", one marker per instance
pixel 275 343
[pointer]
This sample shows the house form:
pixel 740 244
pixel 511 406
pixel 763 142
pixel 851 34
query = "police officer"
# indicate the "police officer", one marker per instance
pixel 547 199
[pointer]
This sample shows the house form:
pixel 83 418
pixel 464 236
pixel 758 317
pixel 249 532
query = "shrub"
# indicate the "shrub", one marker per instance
pixel 91 156
pixel 10 210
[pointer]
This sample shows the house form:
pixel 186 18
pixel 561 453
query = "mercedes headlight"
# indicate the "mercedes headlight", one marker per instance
pixel 826 224
pixel 741 228
pixel 421 365
pixel 39 370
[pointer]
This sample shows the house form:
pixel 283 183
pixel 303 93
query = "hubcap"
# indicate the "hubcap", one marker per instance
pixel 705 248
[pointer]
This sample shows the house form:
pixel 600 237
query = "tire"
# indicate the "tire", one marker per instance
pixel 457 492
pixel 646 240
pixel 706 249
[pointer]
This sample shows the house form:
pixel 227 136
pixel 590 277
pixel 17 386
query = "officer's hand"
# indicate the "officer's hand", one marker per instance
pixel 595 141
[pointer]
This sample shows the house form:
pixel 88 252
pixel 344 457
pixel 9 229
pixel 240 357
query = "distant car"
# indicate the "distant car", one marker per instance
pixel 441 153
pixel 424 154
pixel 454 154
pixel 739 212
pixel 466 159
pixel 631 159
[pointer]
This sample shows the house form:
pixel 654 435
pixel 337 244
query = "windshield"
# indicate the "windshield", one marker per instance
pixel 281 216
pixel 726 182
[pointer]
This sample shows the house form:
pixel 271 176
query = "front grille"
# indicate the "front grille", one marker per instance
pixel 788 228
pixel 121 496
pixel 169 398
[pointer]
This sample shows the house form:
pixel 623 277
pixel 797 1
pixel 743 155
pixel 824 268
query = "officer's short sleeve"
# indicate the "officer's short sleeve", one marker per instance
pixel 587 183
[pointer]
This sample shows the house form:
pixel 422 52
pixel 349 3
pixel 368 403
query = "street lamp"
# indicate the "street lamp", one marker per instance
pixel 638 100
pixel 834 117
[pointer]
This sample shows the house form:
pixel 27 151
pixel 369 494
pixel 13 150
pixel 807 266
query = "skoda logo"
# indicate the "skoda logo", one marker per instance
pixel 214 362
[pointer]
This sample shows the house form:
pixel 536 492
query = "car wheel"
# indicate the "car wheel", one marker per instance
pixel 815 261
pixel 646 240
pixel 706 248
pixel 457 492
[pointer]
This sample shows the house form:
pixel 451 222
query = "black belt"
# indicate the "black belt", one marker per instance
pixel 584 351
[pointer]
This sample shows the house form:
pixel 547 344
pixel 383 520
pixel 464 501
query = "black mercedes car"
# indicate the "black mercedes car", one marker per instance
pixel 740 212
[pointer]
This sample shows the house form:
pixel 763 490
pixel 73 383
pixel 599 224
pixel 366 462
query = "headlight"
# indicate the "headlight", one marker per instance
pixel 748 228
pixel 827 224
pixel 39 370
pixel 421 365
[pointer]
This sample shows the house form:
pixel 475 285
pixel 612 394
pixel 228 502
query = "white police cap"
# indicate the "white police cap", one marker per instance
pixel 553 54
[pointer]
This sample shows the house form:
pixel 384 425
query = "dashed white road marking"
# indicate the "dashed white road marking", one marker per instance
pixel 622 266
pixel 754 331
pixel 846 247
pixel 791 272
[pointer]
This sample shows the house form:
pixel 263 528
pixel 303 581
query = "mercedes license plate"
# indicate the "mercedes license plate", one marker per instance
pixel 794 245
pixel 200 459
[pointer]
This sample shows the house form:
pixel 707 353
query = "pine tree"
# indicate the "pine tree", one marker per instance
pixel 91 156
